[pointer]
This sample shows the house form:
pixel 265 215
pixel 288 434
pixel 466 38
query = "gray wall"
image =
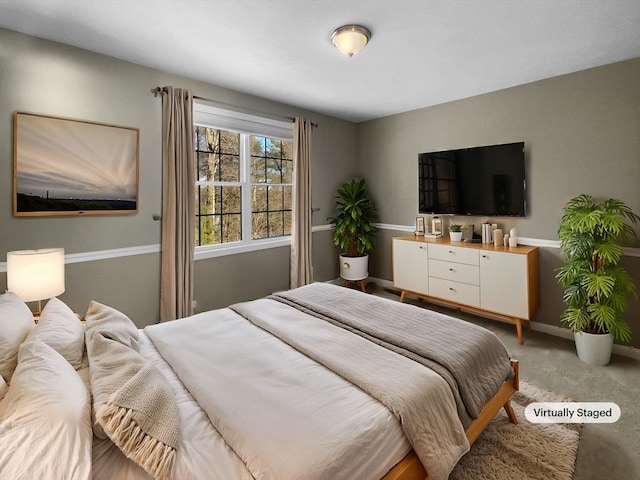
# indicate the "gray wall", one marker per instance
pixel 582 135
pixel 49 78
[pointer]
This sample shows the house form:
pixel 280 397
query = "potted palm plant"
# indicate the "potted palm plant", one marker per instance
pixel 353 230
pixel 596 287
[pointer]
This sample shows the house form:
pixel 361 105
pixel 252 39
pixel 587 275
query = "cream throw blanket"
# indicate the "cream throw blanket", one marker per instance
pixel 132 401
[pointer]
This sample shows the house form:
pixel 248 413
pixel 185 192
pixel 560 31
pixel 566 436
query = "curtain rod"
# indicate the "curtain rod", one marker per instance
pixel 162 90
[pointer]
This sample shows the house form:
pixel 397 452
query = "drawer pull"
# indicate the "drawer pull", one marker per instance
pixel 452 252
pixel 452 289
pixel 451 270
pixel 484 256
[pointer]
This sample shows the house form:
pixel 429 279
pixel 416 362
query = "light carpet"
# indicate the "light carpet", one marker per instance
pixel 525 451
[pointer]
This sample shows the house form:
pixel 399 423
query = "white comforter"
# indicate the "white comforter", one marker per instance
pixel 360 437
pixel 283 414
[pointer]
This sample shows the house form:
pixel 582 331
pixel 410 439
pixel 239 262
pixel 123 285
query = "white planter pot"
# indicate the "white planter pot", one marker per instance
pixel 354 268
pixel 455 236
pixel 593 349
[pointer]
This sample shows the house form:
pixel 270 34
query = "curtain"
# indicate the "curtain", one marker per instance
pixel 178 204
pixel 301 267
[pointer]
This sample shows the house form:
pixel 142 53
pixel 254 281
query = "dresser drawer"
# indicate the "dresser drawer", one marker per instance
pixel 455 291
pixel 456 272
pixel 449 253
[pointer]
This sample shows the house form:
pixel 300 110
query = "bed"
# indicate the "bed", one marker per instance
pixel 320 382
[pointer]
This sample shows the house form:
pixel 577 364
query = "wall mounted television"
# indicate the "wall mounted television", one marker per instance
pixel 487 181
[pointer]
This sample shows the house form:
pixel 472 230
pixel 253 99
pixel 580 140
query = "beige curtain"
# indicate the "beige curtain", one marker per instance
pixel 301 267
pixel 178 204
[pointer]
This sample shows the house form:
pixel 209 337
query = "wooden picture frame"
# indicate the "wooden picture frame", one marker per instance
pixel 64 166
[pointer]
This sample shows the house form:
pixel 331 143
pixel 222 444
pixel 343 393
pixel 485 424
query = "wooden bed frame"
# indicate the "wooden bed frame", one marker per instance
pixel 410 468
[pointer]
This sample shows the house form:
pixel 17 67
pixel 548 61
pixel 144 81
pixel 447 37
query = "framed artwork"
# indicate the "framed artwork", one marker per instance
pixel 64 166
pixel 419 226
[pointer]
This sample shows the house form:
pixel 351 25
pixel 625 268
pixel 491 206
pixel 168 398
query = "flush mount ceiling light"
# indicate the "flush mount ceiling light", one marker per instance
pixel 350 39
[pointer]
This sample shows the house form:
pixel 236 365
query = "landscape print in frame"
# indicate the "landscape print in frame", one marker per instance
pixel 64 166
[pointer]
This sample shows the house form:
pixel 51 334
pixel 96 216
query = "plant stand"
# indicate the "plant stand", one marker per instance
pixel 360 283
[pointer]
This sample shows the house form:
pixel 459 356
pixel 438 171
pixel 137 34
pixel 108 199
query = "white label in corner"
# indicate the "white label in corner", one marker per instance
pixel 572 412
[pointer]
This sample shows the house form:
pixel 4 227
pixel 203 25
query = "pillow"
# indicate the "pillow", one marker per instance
pixel 45 419
pixel 16 321
pixel 113 324
pixel 62 330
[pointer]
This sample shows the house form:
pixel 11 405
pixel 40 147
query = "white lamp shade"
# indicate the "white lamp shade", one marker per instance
pixel 36 274
pixel 350 39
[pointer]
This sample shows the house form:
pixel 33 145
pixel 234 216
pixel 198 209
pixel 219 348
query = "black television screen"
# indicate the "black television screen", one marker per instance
pixel 487 181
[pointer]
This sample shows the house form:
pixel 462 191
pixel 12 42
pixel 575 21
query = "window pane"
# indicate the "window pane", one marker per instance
pixel 258 170
pixel 218 214
pixel 274 148
pixel 287 223
pixel 287 171
pixel 229 142
pixel 275 198
pixel 209 230
pixel 274 171
pixel 229 168
pixel 231 200
pixel 208 199
pixel 201 143
pixel 257 146
pixel 259 199
pixel 276 225
pixel 287 197
pixel 287 150
pixel 206 167
pixel 231 228
pixel 259 226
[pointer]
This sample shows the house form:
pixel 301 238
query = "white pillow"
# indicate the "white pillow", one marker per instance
pixel 16 321
pixel 62 330
pixel 45 419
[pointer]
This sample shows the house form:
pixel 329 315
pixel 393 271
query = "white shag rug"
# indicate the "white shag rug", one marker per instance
pixel 526 451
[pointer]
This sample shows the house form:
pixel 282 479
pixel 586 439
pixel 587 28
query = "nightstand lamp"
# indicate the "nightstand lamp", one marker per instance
pixel 36 275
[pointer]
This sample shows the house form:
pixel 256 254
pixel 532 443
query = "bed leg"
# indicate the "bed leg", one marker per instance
pixel 402 295
pixel 510 413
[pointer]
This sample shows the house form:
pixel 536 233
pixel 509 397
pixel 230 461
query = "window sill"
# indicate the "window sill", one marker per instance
pixel 213 251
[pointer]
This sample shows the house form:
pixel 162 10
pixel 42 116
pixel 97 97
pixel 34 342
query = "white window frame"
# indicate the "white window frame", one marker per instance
pixel 243 123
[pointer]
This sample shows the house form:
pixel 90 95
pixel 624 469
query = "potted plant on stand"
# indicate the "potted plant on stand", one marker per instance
pixel 596 288
pixel 455 232
pixel 353 230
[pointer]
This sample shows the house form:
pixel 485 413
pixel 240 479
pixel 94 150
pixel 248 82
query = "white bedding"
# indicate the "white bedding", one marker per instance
pixel 202 453
pixel 298 392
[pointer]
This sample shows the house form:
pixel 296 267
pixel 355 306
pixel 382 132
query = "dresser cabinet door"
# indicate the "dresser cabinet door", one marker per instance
pixel 503 283
pixel 410 266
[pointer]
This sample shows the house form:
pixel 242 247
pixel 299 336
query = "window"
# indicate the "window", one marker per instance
pixel 244 179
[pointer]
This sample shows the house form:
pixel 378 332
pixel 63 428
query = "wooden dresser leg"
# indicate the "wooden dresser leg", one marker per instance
pixel 362 286
pixel 518 323
pixel 402 294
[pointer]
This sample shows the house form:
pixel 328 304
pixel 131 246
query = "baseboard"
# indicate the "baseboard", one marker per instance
pixel 556 331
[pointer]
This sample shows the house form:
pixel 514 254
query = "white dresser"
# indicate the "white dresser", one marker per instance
pixel 496 281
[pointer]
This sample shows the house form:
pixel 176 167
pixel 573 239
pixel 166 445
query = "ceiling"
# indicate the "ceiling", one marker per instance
pixel 422 52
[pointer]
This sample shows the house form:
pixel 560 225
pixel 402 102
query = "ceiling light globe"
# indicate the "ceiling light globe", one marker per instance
pixel 350 39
